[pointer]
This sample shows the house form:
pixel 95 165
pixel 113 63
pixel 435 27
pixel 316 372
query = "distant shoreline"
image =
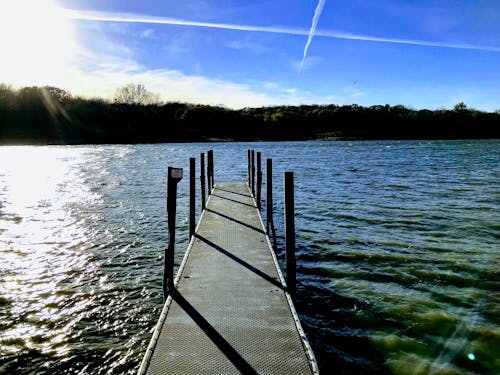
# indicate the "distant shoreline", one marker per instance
pixel 46 116
pixel 211 140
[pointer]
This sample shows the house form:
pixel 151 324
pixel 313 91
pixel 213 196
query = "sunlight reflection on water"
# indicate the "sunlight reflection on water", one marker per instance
pixel 42 249
pixel 397 248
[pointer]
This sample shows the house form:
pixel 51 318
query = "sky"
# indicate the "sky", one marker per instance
pixel 417 53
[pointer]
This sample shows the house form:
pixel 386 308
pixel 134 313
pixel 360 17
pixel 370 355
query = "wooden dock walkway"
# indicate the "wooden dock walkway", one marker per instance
pixel 230 312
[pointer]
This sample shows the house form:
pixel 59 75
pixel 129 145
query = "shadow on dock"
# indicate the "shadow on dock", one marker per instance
pixel 236 220
pixel 248 266
pixel 225 347
pixel 233 200
pixel 234 192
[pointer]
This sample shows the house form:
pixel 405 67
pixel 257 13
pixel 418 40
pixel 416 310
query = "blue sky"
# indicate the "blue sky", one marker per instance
pixel 421 54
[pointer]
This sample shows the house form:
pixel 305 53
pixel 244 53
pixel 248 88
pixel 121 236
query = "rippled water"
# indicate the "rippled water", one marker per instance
pixel 398 252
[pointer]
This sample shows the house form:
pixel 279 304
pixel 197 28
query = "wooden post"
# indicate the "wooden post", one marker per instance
pixel 250 170
pixel 192 195
pixel 202 179
pixel 253 172
pixel 269 189
pixel 208 173
pixel 173 177
pixel 271 231
pixel 290 234
pixel 210 170
pixel 259 179
pixel 249 156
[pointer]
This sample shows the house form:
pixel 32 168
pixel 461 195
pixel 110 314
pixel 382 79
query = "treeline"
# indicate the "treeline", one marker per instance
pixel 48 115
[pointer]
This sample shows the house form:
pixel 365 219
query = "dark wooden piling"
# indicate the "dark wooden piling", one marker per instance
pixel 290 234
pixel 210 168
pixel 202 180
pixel 259 179
pixel 253 171
pixel 173 177
pixel 209 184
pixel 249 156
pixel 192 195
pixel 271 231
pixel 269 193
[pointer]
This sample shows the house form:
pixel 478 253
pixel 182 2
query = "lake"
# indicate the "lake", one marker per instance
pixel 397 242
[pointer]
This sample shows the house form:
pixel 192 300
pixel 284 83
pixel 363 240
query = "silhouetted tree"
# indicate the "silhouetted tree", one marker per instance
pixel 135 94
pixel 62 96
pixel 460 107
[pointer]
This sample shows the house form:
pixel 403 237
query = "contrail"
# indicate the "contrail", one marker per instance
pixel 317 13
pixel 139 18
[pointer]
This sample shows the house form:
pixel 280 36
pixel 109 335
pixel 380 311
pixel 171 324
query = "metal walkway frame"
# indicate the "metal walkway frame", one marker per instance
pixel 230 312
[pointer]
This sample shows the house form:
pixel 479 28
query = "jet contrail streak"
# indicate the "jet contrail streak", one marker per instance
pixel 317 14
pixel 138 18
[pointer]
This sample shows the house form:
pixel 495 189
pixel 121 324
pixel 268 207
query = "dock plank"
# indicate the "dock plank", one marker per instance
pixel 230 313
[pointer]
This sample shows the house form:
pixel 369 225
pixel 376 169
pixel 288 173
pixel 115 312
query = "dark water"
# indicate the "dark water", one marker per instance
pixel 398 252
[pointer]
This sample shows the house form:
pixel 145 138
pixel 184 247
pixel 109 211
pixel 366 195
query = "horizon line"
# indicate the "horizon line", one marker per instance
pixel 140 18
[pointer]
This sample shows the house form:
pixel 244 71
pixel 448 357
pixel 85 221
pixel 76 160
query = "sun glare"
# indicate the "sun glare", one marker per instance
pixel 37 42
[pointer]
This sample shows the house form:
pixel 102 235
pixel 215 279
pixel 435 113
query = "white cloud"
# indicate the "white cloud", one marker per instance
pixel 247 45
pixel 173 85
pixel 147 34
pixel 99 74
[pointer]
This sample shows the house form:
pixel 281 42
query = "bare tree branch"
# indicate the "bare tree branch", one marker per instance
pixel 136 94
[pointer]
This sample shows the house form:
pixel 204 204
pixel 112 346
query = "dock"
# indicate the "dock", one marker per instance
pixel 229 311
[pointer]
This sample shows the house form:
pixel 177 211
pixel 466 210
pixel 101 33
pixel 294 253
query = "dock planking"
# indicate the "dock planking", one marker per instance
pixel 230 311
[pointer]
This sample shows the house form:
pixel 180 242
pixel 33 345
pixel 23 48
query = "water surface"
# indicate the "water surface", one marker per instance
pixel 398 252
